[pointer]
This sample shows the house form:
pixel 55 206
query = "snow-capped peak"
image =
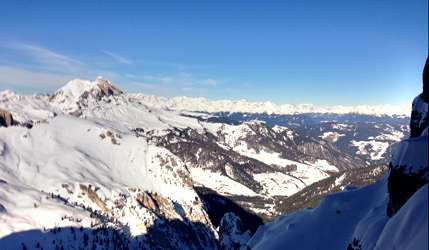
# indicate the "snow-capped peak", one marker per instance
pixel 70 97
pixel 75 88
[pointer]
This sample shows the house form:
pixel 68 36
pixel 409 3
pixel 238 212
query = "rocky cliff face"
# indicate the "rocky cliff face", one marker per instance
pixel 410 163
pixel 107 88
pixel 232 234
pixel 6 119
pixel 409 166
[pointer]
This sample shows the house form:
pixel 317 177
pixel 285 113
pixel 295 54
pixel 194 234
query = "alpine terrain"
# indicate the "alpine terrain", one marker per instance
pixel 92 167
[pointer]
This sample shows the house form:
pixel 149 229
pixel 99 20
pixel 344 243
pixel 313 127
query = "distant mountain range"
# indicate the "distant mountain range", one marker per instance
pixel 243 106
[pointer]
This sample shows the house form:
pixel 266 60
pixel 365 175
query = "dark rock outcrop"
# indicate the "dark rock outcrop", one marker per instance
pixel 409 164
pixel 107 88
pixel 231 232
pixel 218 205
pixel 6 119
pixel 2 209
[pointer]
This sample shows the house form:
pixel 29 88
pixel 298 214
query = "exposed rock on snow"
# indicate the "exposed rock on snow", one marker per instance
pixel 6 119
pixel 373 148
pixel 79 93
pixel 107 88
pixel 409 165
pixel 231 233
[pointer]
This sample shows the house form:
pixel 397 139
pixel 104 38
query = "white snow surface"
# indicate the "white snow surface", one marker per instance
pixel 331 136
pixel 279 183
pixel 222 184
pixel 374 148
pixel 408 229
pixel 70 151
pixel 410 153
pixel 342 217
pixel 393 136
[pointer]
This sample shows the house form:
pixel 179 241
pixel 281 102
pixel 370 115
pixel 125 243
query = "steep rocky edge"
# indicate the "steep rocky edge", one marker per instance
pixel 6 119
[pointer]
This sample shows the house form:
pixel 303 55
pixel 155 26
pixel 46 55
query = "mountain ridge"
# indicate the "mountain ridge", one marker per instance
pixel 202 104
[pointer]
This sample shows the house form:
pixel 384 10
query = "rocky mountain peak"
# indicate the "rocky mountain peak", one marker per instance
pixel 107 87
pixel 77 93
pixel 6 118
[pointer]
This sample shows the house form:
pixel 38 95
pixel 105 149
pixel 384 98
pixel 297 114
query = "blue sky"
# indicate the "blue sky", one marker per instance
pixel 320 52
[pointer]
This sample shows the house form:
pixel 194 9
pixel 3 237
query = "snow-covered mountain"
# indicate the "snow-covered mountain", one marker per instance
pixel 90 171
pixel 244 106
pixel 78 93
pixel 125 169
pixel 390 214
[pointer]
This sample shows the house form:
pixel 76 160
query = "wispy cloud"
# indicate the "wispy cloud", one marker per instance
pixel 37 66
pixel 118 58
pixel 43 55
pixel 27 64
pixel 182 79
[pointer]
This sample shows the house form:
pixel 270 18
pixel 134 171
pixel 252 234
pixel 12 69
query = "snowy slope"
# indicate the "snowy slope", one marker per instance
pixel 65 153
pixel 91 169
pixel 352 215
pixel 409 228
pixel 330 226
